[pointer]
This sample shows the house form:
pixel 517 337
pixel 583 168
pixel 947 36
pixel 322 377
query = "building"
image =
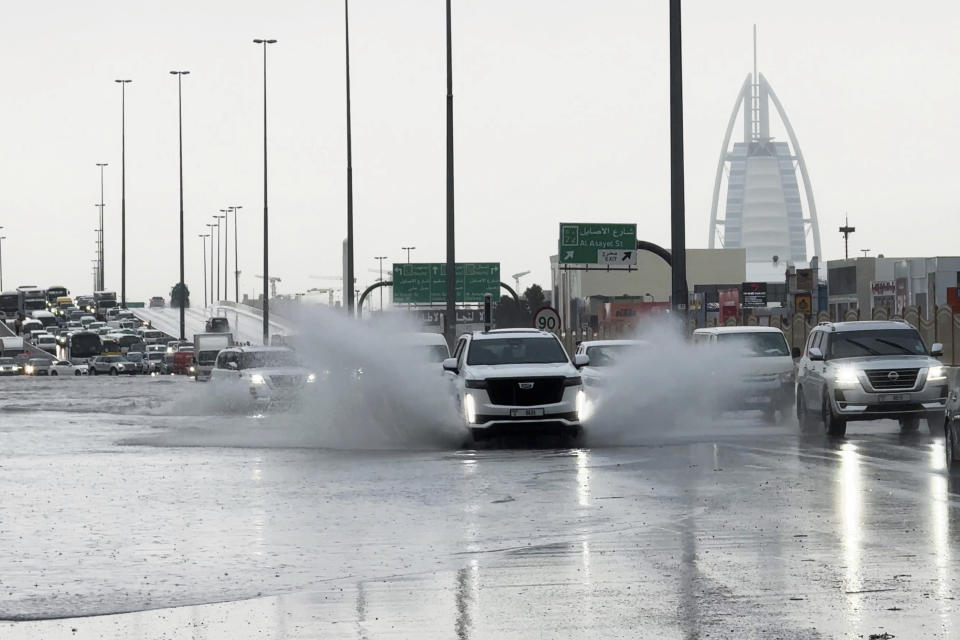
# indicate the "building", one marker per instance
pixel 869 283
pixel 764 210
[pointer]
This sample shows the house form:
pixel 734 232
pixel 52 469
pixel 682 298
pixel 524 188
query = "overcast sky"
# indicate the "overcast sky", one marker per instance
pixel 561 114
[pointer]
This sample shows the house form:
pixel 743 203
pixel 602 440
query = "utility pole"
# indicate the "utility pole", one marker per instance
pixel 678 238
pixel 846 230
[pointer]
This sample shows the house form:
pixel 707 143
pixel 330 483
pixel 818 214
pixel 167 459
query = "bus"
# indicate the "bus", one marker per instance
pixel 32 299
pixel 103 300
pixel 10 303
pixel 82 346
pixel 56 292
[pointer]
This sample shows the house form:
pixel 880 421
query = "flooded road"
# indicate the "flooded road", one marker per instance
pixel 124 498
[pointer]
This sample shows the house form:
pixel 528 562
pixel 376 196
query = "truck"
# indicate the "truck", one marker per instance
pixel 103 300
pixel 11 347
pixel 206 346
pixel 32 299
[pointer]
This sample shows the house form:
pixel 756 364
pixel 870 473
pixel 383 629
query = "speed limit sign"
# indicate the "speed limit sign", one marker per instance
pixel 547 319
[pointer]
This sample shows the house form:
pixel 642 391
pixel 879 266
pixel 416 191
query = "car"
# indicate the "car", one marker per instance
pixel 112 313
pixel 96 326
pixel 139 361
pixel 155 363
pixel 156 348
pixel 47 342
pixel 764 367
pixel 112 365
pixel 270 375
pixel 869 370
pixel 37 367
pixel 157 302
pixel 33 334
pixel 150 336
pixel 30 325
pixel 86 320
pixel 67 368
pixel 516 381
pixel 217 324
pixel 604 356
pixel 951 431
pixel 182 363
pixel 9 367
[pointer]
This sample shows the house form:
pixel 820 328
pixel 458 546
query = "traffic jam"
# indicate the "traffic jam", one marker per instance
pixel 512 381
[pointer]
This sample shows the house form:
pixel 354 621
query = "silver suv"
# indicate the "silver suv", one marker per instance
pixel 869 371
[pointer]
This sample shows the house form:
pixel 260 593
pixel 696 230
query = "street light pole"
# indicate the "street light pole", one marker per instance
pixel 218 219
pixel 450 325
pixel 408 250
pixel 350 271
pixel 236 260
pixel 203 238
pixel 183 286
pixel 266 234
pixel 678 238
pixel 102 205
pixel 123 192
pixel 2 238
pixel 226 251
pixel 210 227
pixel 381 259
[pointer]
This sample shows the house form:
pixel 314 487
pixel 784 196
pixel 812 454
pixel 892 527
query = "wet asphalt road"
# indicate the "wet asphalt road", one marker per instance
pixel 115 501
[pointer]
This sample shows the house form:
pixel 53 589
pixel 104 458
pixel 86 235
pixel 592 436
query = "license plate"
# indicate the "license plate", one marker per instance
pixel 899 397
pixel 526 413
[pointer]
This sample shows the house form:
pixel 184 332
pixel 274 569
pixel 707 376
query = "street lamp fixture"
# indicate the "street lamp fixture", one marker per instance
pixel 408 250
pixel 236 260
pixel 203 237
pixel 217 223
pixel 210 227
pixel 381 259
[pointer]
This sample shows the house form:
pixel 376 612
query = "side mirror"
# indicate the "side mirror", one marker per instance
pixel 450 364
pixel 232 366
pixel 581 360
pixel 815 354
pixel 936 350
pixel 796 353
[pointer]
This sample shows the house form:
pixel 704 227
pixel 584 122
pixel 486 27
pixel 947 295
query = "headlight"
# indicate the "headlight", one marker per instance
pixel 257 379
pixel 29 369
pixel 312 377
pixel 581 405
pixel 937 373
pixel 470 409
pixel 193 369
pixel 847 377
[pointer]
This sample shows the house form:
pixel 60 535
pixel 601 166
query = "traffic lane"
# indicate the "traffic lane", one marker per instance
pixel 726 535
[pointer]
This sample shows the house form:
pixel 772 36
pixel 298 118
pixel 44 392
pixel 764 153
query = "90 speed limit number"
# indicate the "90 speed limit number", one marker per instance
pixel 547 319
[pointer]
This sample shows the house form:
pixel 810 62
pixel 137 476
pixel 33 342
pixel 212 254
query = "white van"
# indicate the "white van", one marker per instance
pixel 768 370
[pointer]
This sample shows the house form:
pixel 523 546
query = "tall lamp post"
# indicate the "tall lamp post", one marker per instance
pixel 226 251
pixel 123 192
pixel 381 259
pixel 408 250
pixel 203 237
pixel 218 219
pixel 183 286
pixel 100 283
pixel 266 229
pixel 236 260
pixel 349 275
pixel 210 227
pixel 678 237
pixel 450 324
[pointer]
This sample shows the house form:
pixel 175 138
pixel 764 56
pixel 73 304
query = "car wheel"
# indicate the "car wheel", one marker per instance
pixel 833 425
pixel 935 421
pixel 77 373
pixel 113 371
pixel 910 425
pixel 54 373
pixel 803 412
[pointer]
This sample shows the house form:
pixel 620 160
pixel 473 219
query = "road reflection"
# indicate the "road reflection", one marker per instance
pixel 940 529
pixel 851 518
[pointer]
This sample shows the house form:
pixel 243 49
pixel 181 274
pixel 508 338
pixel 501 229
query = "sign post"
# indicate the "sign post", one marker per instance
pixel 547 319
pixel 598 244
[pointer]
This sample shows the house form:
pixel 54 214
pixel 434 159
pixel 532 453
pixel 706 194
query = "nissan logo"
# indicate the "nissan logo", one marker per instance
pixel 893 375
pixel 525 385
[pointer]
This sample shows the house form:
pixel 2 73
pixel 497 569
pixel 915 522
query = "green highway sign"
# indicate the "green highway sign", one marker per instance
pixel 426 282
pixel 601 244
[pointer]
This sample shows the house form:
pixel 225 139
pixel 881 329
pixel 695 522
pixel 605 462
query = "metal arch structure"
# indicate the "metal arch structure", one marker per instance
pixel 745 100
pixel 389 283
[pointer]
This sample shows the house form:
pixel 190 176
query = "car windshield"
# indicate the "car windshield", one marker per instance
pixel 882 342
pixel 7 361
pixel 608 354
pixel 759 344
pixel 155 355
pixel 258 359
pixel 533 350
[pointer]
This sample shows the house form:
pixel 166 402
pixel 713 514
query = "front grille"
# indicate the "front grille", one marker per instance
pixel 885 379
pixel 286 381
pixel 507 391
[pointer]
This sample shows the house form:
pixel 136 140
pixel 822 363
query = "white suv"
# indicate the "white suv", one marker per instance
pixel 868 371
pixel 517 381
pixel 269 374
